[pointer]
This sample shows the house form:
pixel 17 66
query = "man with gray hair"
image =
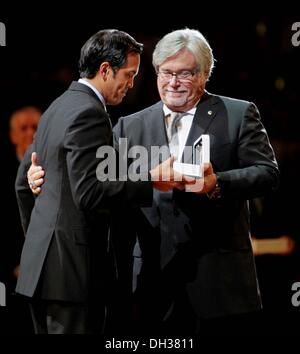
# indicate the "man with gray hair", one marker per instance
pixel 193 259
pixel 193 262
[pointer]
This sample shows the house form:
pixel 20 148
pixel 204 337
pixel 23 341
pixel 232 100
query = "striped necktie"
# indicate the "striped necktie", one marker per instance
pixel 172 132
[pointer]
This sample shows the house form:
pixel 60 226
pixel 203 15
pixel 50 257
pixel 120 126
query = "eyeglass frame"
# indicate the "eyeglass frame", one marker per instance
pixel 191 73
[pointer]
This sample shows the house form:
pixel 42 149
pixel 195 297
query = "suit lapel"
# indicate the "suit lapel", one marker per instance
pixel 205 114
pixel 157 127
pixel 156 135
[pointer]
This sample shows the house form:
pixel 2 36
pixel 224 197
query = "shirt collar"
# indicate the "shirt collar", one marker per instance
pixel 101 98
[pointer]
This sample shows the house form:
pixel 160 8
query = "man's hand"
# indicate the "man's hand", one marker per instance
pixel 165 178
pixel 205 184
pixel 34 175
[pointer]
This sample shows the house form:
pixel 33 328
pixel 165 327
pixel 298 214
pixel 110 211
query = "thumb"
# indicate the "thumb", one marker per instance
pixel 34 160
pixel 208 169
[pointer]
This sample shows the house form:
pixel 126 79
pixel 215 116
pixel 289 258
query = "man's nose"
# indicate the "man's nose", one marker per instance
pixel 131 83
pixel 174 80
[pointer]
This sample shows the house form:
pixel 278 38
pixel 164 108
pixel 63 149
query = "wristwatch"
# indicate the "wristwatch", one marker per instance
pixel 216 192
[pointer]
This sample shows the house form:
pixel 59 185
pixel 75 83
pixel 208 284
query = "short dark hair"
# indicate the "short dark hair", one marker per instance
pixel 109 45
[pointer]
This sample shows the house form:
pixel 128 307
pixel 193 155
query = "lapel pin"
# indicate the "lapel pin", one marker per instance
pixel 209 112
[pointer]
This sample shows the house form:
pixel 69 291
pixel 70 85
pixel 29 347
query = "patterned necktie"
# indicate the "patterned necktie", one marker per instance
pixel 172 132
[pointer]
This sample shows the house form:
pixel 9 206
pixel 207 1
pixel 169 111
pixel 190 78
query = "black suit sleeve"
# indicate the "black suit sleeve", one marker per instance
pixel 258 171
pixel 89 132
pixel 25 197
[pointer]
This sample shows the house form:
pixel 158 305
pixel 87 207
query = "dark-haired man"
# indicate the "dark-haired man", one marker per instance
pixel 64 258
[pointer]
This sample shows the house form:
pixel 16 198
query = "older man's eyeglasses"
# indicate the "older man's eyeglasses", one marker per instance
pixel 183 75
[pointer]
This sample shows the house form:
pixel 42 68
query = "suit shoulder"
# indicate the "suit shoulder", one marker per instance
pixel 137 119
pixel 76 102
pixel 71 108
pixel 82 100
pixel 143 113
pixel 230 101
pixel 236 106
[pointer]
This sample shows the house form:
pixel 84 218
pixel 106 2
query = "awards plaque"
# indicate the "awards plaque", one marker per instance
pixel 200 156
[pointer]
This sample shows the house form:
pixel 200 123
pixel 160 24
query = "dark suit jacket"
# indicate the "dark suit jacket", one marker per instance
pixel 65 250
pixel 218 266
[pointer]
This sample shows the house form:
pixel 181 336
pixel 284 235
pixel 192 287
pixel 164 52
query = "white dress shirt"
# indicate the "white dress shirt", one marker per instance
pixel 183 128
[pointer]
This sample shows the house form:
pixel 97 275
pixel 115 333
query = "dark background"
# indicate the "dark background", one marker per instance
pixel 255 61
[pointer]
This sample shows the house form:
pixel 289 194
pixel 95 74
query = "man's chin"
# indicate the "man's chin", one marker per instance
pixel 116 101
pixel 175 102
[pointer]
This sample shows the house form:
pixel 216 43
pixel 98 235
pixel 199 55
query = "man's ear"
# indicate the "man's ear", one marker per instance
pixel 104 70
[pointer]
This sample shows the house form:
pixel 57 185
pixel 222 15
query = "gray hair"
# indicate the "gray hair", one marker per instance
pixel 189 39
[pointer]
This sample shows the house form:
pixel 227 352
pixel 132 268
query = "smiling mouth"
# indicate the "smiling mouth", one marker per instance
pixel 175 93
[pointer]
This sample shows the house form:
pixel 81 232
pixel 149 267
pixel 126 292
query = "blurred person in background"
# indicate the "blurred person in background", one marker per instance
pixel 23 123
